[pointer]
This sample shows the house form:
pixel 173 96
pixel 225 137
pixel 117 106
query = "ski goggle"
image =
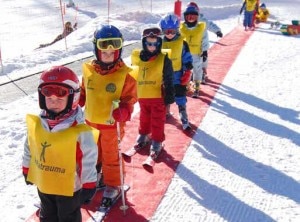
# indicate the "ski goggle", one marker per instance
pixel 152 32
pixel 191 17
pixel 113 43
pixel 169 31
pixel 155 44
pixel 58 91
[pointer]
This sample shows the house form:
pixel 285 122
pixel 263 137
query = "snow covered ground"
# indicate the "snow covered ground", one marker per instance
pixel 243 163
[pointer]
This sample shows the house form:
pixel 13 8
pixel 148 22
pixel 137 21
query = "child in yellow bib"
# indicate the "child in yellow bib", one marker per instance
pixel 105 80
pixel 60 152
pixel 155 90
pixel 194 33
pixel 182 62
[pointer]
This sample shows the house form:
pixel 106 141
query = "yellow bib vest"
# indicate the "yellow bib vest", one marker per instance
pixel 193 37
pixel 250 5
pixel 101 90
pixel 176 48
pixel 149 83
pixel 53 157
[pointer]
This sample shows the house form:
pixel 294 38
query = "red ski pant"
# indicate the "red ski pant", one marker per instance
pixel 152 120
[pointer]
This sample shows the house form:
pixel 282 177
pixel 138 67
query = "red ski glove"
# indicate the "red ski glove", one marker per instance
pixel 120 114
pixel 186 77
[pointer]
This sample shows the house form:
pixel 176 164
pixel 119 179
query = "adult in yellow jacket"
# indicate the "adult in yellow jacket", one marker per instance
pixel 249 6
pixel 108 79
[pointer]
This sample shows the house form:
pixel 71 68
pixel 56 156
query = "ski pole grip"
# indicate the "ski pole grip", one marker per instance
pixel 115 104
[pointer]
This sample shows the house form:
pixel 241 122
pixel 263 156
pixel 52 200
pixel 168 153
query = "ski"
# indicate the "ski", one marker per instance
pixel 42 46
pixel 275 25
pixel 150 161
pixel 37 205
pixel 130 152
pixel 133 150
pixel 103 211
pixel 72 5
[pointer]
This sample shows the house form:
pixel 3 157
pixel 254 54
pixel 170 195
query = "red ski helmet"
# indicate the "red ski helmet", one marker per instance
pixel 59 76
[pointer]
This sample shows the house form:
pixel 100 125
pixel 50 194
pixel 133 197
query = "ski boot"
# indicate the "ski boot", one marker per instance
pixel 195 94
pixel 142 142
pixel 155 149
pixel 168 112
pixel 204 76
pixel 197 89
pixel 111 193
pixel 100 181
pixel 183 117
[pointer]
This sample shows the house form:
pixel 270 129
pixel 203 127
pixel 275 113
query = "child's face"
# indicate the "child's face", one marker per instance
pixel 56 104
pixel 191 18
pixel 108 56
pixel 151 44
pixel 170 33
pixel 56 97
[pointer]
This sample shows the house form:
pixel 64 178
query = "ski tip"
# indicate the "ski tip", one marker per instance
pixel 126 187
pixel 149 162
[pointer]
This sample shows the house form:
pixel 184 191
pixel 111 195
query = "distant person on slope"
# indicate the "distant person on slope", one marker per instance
pixel 71 3
pixel 263 13
pixel 68 29
pixel 249 7
pixel 182 63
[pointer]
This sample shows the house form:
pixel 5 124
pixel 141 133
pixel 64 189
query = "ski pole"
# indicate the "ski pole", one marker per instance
pixel 1 64
pixel 124 207
pixel 114 105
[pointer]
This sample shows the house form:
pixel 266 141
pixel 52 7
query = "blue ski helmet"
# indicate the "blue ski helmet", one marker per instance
pixel 170 21
pixel 263 5
pixel 108 32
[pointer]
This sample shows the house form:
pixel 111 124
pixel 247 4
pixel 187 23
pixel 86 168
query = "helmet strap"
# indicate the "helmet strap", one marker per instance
pixel 53 115
pixel 191 24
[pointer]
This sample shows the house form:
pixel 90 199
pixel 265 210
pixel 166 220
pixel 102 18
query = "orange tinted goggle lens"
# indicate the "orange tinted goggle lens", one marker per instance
pixel 58 91
pixel 170 31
